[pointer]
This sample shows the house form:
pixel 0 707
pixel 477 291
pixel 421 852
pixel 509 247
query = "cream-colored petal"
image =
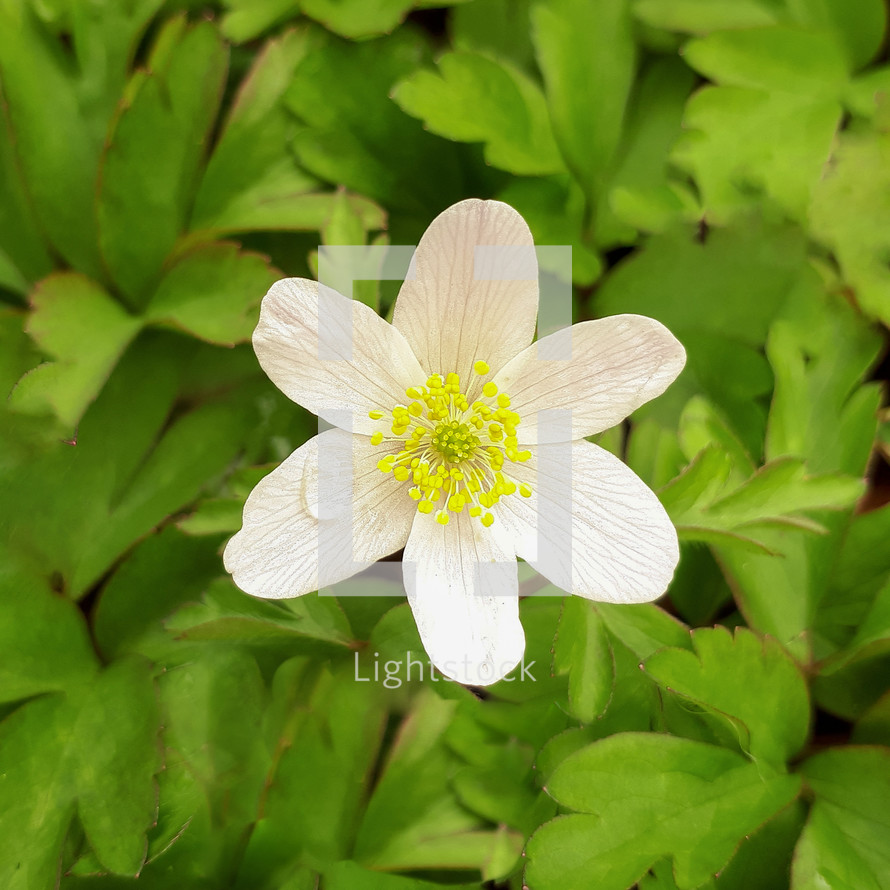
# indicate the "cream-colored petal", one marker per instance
pixel 591 526
pixel 472 291
pixel 351 363
pixel 325 514
pixel 462 585
pixel 616 365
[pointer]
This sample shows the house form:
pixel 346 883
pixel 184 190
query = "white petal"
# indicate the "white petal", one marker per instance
pixel 591 526
pixel 466 302
pixel 462 585
pixel 325 514
pixel 353 363
pixel 616 365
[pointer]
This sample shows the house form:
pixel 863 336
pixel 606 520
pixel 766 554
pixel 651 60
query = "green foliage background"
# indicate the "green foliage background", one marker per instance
pixel 721 165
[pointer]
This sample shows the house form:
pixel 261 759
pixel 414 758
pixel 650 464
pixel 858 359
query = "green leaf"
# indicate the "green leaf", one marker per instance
pixel 353 272
pixel 504 791
pixel 345 225
pixel 554 211
pixel 872 636
pixel 866 94
pixel 858 574
pixel 357 18
pixel 153 154
pixel 653 452
pixel 647 796
pixel 135 462
pixel 587 55
pixel 640 194
pixel 24 257
pixel 705 505
pixel 704 16
pixel 781 59
pixel 328 738
pixel 380 152
pixel 763 859
pixel 473 98
pixel 873 727
pixel 644 628
pixel 785 82
pixel 702 425
pixel 845 842
pixel 583 650
pixel 351 876
pixel 213 516
pixel 742 144
pixel 821 352
pixel 856 26
pixel 84 331
pixel 247 19
pixel 44 640
pixel 749 679
pixel 214 293
pixel 116 798
pixel 858 177
pixel 699 591
pixel 162 573
pixel 57 152
pixel 497 28
pixel 252 180
pixel 226 613
pixel 674 277
pixel 105 38
pixel 96 751
pixel 412 821
pixel 213 708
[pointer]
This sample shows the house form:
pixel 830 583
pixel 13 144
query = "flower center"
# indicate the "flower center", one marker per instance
pixel 454 441
pixel 453 454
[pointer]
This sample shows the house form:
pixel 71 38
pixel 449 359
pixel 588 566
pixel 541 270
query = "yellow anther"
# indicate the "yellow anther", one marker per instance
pixel 455 454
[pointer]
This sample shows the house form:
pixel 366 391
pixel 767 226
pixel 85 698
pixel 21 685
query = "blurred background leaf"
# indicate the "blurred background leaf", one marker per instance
pixel 719 166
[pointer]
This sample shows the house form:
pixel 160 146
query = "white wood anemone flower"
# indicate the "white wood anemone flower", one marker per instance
pixel 458 438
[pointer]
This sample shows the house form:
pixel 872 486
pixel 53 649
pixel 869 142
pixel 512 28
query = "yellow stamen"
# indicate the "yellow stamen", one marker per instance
pixel 457 454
